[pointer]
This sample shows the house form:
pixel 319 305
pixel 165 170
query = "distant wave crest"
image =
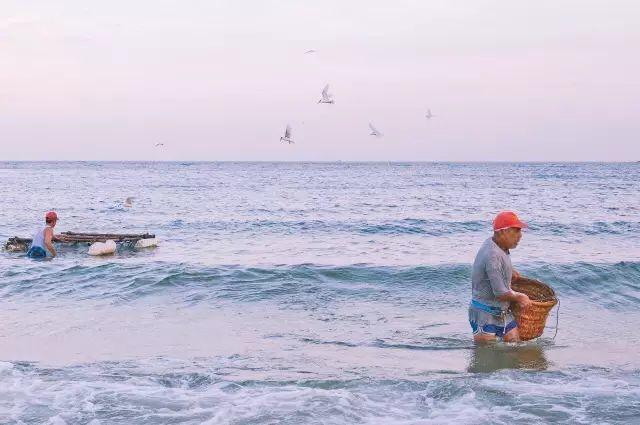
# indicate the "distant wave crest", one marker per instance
pixel 616 284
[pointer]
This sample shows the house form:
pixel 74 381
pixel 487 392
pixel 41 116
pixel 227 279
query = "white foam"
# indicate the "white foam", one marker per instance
pixel 129 392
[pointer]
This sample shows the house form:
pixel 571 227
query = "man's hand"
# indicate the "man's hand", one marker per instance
pixel 58 238
pixel 523 301
pixel 514 275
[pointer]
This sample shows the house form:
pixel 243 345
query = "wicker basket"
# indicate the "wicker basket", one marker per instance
pixel 532 320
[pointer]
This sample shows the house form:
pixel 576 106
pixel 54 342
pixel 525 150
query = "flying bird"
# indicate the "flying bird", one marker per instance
pixel 159 144
pixel 429 115
pixel 326 96
pixel 374 131
pixel 309 51
pixel 287 136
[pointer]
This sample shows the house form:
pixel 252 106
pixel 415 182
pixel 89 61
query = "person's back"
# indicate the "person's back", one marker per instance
pixel 491 274
pixel 37 248
pixel 43 239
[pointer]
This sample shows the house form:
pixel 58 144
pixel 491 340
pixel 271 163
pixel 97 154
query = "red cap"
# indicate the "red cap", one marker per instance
pixel 507 219
pixel 51 215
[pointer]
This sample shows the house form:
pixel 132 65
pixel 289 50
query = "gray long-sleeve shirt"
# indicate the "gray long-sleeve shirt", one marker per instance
pixel 491 274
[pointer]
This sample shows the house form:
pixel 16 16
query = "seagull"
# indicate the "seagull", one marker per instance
pixel 374 132
pixel 429 115
pixel 159 144
pixel 326 96
pixel 128 202
pixel 309 51
pixel 287 135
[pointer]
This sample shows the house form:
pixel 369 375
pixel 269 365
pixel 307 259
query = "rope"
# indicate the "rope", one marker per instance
pixel 557 320
pixel 504 323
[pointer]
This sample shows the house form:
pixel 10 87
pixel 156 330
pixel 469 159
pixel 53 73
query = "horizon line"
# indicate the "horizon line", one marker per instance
pixel 337 161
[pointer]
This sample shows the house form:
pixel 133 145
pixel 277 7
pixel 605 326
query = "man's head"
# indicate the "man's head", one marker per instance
pixel 51 218
pixel 507 229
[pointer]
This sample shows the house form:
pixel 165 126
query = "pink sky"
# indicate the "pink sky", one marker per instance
pixel 531 81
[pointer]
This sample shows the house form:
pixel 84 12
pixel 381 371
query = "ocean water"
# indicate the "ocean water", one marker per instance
pixel 315 293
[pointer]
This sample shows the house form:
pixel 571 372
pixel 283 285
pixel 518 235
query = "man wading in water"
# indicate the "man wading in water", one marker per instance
pixel 43 239
pixel 491 277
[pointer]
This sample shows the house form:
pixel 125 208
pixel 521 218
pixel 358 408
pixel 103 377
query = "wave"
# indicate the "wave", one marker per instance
pixel 609 285
pixel 428 227
pixel 594 228
pixel 297 284
pixel 171 392
pixel 403 226
pixel 306 285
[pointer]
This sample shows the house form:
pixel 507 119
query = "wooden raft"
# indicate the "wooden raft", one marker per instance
pixel 17 244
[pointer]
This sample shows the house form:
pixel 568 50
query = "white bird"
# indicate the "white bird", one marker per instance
pixel 326 96
pixel 374 131
pixel 287 135
pixel 309 51
pixel 429 115
pixel 128 202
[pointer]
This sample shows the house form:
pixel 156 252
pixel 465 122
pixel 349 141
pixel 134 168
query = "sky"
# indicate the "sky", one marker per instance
pixel 220 80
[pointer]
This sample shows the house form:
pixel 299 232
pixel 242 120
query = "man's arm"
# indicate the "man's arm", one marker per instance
pixel 501 289
pixel 48 241
pixel 517 297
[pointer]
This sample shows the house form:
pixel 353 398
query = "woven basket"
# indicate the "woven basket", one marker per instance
pixel 531 321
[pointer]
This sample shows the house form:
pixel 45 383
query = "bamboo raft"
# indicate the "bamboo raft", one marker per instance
pixel 17 244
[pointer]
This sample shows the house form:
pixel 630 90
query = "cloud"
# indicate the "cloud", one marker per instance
pixel 24 31
pixel 18 22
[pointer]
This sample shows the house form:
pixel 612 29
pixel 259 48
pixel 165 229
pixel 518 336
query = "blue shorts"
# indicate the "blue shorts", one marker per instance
pixel 486 323
pixel 36 252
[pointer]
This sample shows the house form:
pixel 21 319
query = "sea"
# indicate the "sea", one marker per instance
pixel 315 293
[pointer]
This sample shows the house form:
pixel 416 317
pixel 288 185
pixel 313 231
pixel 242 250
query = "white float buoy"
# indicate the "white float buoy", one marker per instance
pixel 147 243
pixel 103 248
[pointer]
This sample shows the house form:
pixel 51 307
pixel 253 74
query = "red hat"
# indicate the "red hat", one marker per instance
pixel 51 215
pixel 507 219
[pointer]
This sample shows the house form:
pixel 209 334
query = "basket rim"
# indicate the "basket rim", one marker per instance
pixel 553 297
